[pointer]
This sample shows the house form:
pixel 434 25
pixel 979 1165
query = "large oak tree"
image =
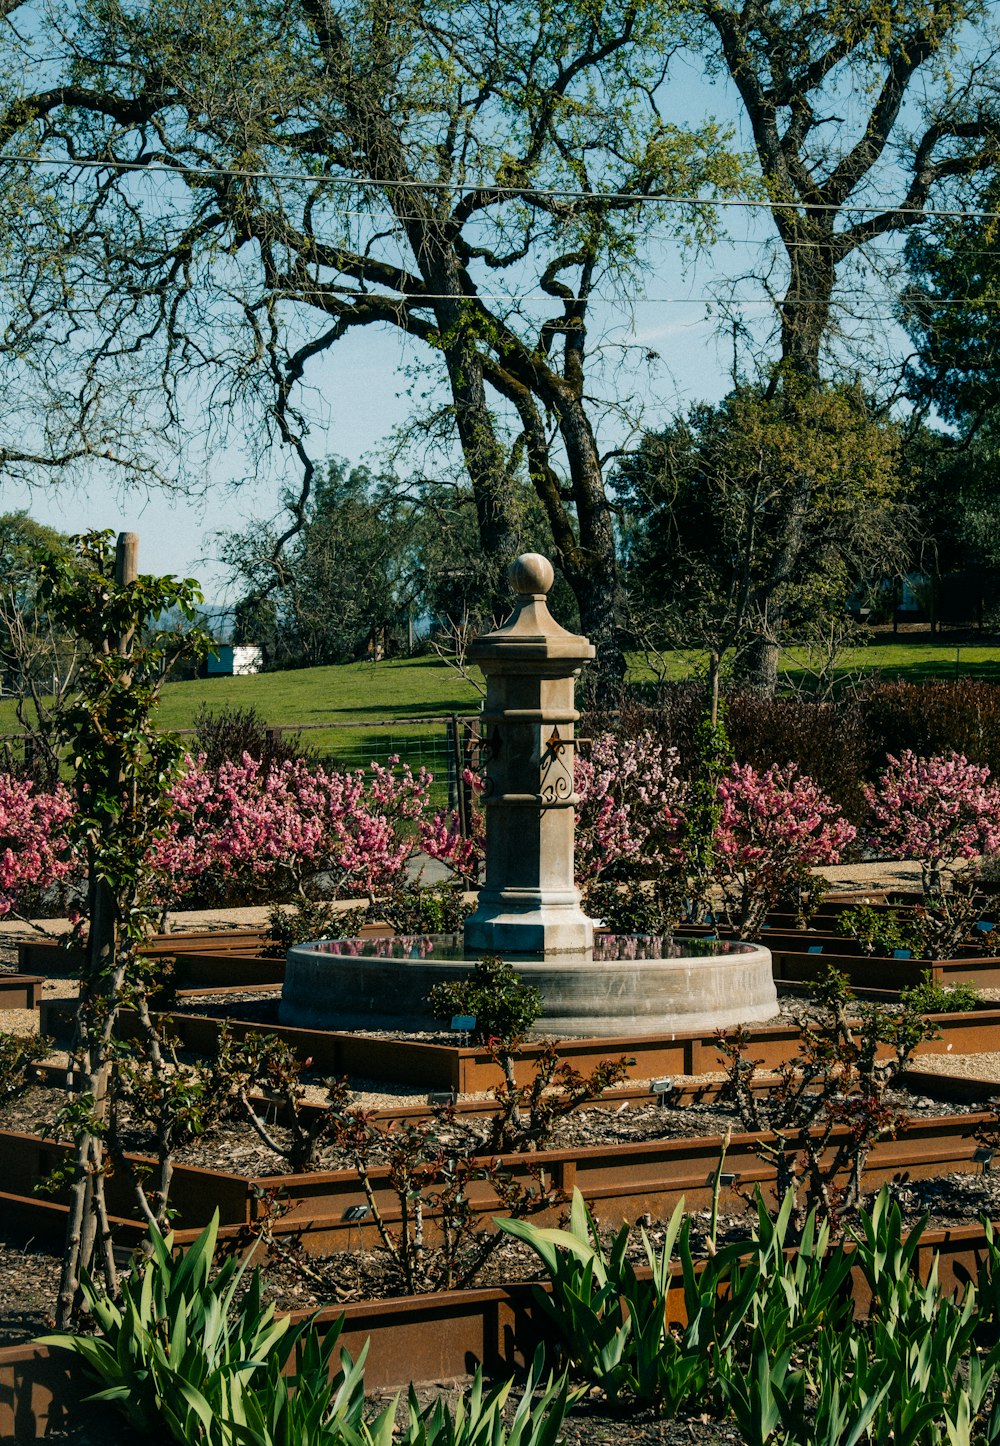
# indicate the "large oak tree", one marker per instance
pixel 467 174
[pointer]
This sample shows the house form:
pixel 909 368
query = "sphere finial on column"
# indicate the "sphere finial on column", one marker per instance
pixel 531 574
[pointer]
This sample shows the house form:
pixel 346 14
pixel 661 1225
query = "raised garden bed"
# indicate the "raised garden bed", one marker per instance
pixel 621 1180
pixel 49 956
pixel 416 1338
pixel 470 1070
pixel 20 991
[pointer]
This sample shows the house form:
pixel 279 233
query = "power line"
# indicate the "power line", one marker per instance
pixel 638 198
pixel 404 298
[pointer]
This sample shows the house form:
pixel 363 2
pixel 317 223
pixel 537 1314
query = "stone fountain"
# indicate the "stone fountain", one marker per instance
pixel 529 907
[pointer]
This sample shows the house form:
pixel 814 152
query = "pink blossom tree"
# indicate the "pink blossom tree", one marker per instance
pixel 631 804
pixel 942 811
pixel 244 829
pixel 773 828
pixel 35 848
pixel 441 837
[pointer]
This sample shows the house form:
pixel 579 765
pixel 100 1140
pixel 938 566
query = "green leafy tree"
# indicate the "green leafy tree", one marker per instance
pixel 343 585
pixel 122 769
pixel 706 502
pixel 37 658
pixel 860 119
pixel 950 309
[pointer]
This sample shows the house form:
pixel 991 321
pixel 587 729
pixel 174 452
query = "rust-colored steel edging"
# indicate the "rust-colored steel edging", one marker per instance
pixel 417 1338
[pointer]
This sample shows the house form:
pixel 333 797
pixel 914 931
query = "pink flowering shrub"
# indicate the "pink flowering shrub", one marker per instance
pixel 35 850
pixel 243 829
pixel 941 811
pixel 442 838
pixel 631 803
pixel 773 828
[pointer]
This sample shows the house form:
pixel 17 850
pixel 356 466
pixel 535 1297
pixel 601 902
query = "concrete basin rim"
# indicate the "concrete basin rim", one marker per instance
pixel 742 952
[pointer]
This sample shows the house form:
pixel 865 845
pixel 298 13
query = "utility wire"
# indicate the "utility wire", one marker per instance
pixel 505 192
pixel 418 299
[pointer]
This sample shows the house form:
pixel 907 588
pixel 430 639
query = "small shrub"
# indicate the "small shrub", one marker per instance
pixel 879 931
pixel 634 908
pixel 929 997
pixel 224 737
pixel 174 1106
pixel 529 1113
pixel 504 1006
pixel 426 911
pixel 433 1166
pixel 19 1053
pixel 829 1107
pixel 631 802
pixel 310 919
pixel 265 1064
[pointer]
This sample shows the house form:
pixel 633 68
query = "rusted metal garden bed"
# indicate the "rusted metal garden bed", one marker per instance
pixel 414 1338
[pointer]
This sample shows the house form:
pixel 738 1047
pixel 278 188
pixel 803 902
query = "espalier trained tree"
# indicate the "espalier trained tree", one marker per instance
pixel 122 772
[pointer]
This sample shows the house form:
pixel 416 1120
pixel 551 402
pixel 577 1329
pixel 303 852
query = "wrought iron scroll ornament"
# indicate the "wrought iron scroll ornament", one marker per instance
pixel 490 749
pixel 556 781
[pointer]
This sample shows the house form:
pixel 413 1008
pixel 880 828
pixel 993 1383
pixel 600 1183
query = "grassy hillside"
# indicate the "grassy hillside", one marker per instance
pixel 319 699
pixel 322 701
pixel 917 662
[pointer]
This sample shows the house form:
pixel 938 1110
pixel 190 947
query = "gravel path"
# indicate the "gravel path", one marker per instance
pixel 970 1066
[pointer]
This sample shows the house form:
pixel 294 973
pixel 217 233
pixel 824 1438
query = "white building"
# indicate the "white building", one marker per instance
pixel 234 660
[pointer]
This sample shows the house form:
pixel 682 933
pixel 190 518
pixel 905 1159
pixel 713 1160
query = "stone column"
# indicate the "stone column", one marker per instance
pixel 529 903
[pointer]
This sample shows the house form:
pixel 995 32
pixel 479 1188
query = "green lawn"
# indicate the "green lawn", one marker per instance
pixel 351 693
pixel 318 699
pixel 916 662
pixel 322 700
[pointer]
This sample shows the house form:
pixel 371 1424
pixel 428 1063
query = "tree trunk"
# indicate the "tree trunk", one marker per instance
pixel 592 569
pixel 757 667
pixel 486 463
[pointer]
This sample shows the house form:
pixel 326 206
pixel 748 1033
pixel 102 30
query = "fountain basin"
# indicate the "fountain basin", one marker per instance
pixel 631 984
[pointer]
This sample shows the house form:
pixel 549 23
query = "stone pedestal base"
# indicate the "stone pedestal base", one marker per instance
pixel 506 924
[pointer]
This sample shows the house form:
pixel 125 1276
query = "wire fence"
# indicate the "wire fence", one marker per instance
pixel 446 747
